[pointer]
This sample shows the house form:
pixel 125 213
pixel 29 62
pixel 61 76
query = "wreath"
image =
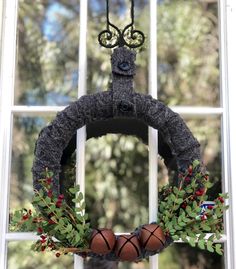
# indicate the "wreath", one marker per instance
pixel 183 210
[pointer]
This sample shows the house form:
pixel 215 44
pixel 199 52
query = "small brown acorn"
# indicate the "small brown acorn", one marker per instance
pixel 152 237
pixel 127 247
pixel 102 241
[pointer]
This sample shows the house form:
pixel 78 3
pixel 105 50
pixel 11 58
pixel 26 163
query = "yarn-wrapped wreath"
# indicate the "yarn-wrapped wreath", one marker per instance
pixel 120 102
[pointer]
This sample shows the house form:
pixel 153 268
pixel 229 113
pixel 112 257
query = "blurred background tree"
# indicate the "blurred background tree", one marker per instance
pixel 117 166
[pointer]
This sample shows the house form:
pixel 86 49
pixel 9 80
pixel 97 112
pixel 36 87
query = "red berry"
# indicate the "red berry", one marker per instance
pixel 61 197
pixel 49 193
pixel 190 170
pixel 43 241
pixel 58 254
pixel 210 207
pixel 51 222
pixel 25 217
pixel 43 237
pixel 221 199
pixel 51 245
pixel 49 180
pixel 184 205
pixel 203 217
pixel 40 230
pixel 187 179
pixel 43 248
pixel 200 192
pixel 58 203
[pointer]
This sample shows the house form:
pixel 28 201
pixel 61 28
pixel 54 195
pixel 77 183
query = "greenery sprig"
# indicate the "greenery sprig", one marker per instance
pixel 62 229
pixel 183 215
pixel 181 212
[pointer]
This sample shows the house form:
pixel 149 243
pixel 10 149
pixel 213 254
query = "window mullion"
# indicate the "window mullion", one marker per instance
pixel 82 89
pixel 227 18
pixel 152 133
pixel 7 96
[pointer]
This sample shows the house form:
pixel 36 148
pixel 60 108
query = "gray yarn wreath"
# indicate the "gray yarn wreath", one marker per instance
pixel 120 102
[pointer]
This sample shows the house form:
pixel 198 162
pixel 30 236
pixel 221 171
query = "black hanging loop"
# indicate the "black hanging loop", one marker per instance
pixel 113 36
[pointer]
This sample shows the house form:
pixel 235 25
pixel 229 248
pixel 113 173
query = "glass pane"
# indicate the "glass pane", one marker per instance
pixel 117 182
pixel 99 58
pixel 179 256
pixel 32 260
pixel 188 53
pixel 127 265
pixel 99 264
pixel 25 134
pixel 208 132
pixel 47 52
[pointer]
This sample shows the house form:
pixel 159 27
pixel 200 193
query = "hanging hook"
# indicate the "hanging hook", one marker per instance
pixel 113 36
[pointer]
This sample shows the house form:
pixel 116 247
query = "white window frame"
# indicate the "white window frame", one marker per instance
pixel 227 110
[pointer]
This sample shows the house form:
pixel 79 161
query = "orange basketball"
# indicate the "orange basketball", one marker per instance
pixel 152 237
pixel 127 247
pixel 102 241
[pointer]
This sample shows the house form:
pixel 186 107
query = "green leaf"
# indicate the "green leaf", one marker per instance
pixel 176 190
pixel 36 198
pixel 41 203
pixel 48 200
pixel 175 237
pixel 192 242
pixel 196 163
pixel 172 197
pixel 179 201
pixel 189 190
pixel 80 196
pixel 218 249
pixel 172 231
pixel 75 189
pixel 209 246
pixel 205 227
pixel 69 228
pixel 201 244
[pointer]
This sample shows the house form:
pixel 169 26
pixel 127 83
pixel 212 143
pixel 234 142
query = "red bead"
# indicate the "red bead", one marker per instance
pixel 152 237
pixel 102 241
pixel 128 247
pixel 58 254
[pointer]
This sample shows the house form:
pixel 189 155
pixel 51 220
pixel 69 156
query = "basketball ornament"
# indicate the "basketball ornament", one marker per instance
pixel 102 241
pixel 64 228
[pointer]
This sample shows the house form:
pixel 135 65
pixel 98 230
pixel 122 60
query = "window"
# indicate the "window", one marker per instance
pixel 49 59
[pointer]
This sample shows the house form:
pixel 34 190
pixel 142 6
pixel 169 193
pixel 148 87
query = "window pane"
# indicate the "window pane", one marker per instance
pixel 47 52
pixel 99 264
pixel 179 256
pixel 117 182
pixel 208 132
pixel 21 257
pixel 188 57
pixel 25 134
pixel 99 58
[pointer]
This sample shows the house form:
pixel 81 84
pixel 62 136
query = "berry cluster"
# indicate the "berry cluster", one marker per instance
pixel 185 214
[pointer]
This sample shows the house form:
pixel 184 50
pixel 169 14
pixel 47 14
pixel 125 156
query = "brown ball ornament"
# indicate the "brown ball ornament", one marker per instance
pixel 127 247
pixel 152 237
pixel 102 241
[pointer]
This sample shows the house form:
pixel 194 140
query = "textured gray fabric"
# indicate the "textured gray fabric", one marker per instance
pixel 119 101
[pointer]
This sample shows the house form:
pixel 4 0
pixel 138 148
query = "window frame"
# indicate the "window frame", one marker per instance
pixel 227 110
